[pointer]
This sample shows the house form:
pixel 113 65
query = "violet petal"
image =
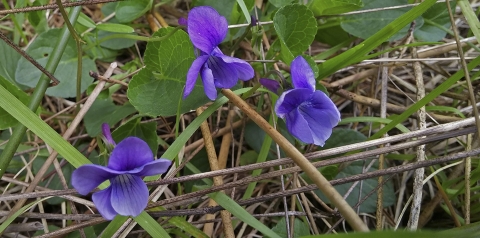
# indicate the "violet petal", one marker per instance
pixel 102 201
pixel 302 74
pixel 158 166
pixel 129 154
pixel 129 195
pixel 206 28
pixel 298 126
pixel 291 100
pixel 208 83
pixel 192 74
pixel 225 75
pixel 87 177
pixel 244 70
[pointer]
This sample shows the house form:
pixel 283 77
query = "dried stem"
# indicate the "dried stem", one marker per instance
pixel 217 180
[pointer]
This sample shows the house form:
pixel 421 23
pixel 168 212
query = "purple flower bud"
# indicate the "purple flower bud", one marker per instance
pixel 253 21
pixel 107 135
pixel 310 114
pixel 127 194
pixel 182 21
pixel 270 84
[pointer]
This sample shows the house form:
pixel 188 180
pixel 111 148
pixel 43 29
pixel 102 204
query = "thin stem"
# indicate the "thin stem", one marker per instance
pixel 322 183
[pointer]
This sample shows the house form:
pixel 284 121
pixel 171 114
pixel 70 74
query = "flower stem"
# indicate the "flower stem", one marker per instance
pixel 322 183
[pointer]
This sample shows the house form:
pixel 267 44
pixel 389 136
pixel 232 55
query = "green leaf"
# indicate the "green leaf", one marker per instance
pixel 367 24
pixel 280 3
pixel 40 50
pixel 244 8
pixel 127 11
pixel 6 120
pixel 104 111
pixel 86 21
pixel 8 62
pixel 116 43
pixel 150 225
pixel 436 15
pixel 240 213
pixel 145 131
pixel 299 228
pixel 157 89
pixel 296 28
pixel 331 7
pixel 187 227
pixel 114 27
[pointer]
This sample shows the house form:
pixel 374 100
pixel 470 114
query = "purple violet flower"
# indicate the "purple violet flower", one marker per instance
pixel 127 194
pixel 310 114
pixel 207 29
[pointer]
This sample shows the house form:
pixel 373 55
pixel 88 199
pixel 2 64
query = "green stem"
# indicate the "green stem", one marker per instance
pixel 133 37
pixel 78 42
pixel 37 95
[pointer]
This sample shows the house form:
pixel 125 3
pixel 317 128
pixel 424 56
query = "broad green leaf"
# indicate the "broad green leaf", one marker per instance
pixel 280 3
pixel 6 120
pixel 40 50
pixel 436 15
pixel 296 28
pixel 115 43
pixel 240 213
pixel 104 111
pixel 127 11
pixel 299 228
pixel 365 25
pixel 157 89
pixel 145 131
pixel 38 19
pixel 8 62
pixel 331 7
pixel 224 8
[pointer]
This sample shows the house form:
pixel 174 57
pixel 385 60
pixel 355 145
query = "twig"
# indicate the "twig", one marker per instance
pixel 55 6
pixel 217 180
pixel 419 173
